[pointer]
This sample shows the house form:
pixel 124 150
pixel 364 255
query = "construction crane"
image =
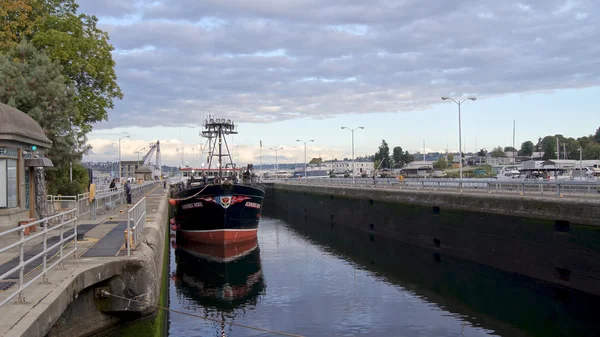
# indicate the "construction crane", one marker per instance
pixel 146 160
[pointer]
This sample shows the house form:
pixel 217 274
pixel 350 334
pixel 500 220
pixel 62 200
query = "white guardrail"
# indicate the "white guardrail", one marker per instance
pixel 64 212
pixel 63 222
pixel 136 220
pixel 588 188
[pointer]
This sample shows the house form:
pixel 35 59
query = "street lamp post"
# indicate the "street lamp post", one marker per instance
pixel 120 156
pixel 352 130
pixel 276 164
pixel 308 141
pixel 138 153
pixel 459 103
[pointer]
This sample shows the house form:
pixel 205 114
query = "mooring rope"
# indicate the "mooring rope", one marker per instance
pixel 190 197
pixel 106 293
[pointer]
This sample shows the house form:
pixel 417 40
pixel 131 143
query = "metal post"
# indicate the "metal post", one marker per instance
pixel 128 233
pixel 353 173
pixel 21 261
pixel 308 141
pixel 352 131
pixel 460 146
pixel 75 240
pixel 120 156
pixel 62 230
pixel 45 258
pixel 459 103
pixel 304 160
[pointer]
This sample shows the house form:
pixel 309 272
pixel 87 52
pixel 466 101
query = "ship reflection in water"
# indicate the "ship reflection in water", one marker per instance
pixel 219 282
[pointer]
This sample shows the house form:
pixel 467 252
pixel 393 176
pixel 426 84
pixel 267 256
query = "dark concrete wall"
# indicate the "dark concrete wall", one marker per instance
pixel 507 303
pixel 555 240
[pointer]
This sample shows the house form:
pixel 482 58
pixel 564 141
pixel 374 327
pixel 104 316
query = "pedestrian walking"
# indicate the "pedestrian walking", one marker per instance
pixel 128 192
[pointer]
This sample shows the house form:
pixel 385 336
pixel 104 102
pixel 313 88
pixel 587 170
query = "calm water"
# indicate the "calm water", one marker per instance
pixel 313 281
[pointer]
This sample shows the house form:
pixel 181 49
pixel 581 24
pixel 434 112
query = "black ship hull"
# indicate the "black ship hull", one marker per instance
pixel 225 280
pixel 218 214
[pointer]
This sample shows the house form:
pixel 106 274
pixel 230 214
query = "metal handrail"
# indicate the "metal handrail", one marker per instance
pixel 136 216
pixel 72 219
pixel 559 188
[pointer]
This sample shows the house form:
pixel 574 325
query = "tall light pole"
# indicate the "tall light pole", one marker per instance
pixel 276 164
pixel 459 103
pixel 352 130
pixel 138 153
pixel 580 160
pixel 308 141
pixel 120 156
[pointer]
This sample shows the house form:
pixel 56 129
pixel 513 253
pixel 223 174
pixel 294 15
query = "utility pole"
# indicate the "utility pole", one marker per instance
pixel 276 163
pixel 308 141
pixel 120 156
pixel 352 130
pixel 459 103
pixel 513 143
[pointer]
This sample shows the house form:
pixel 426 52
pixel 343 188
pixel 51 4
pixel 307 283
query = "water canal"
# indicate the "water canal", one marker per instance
pixel 312 279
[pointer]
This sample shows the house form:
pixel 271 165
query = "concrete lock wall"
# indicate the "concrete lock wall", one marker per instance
pixel 555 240
pixel 80 312
pixel 508 303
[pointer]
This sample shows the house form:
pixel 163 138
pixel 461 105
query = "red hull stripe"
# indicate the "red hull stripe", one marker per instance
pixel 220 236
pixel 221 253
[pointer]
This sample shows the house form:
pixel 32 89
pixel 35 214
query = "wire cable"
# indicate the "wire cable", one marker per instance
pixel 105 293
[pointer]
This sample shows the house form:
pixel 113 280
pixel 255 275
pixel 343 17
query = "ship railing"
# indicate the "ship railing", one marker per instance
pixel 51 254
pixel 136 220
pixel 579 188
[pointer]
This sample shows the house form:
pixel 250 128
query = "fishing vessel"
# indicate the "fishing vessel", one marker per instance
pixel 221 204
pixel 224 281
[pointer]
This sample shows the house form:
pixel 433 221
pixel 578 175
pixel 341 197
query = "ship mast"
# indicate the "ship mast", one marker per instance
pixel 216 129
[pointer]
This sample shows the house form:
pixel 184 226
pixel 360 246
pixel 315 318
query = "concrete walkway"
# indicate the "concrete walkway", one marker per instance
pixel 99 241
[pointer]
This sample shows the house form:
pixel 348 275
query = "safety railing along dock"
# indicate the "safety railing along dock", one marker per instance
pixel 66 224
pixel 136 220
pixel 580 188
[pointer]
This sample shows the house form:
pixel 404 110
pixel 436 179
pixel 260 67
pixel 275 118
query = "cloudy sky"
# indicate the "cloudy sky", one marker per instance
pixel 301 69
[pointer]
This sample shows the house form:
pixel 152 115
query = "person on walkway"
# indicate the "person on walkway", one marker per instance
pixel 128 192
pixel 113 185
pixel 164 183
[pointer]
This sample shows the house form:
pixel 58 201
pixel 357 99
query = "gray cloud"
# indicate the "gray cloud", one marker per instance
pixel 258 61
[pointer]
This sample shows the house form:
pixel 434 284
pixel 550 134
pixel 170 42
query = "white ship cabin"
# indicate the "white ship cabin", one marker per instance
pixel 197 173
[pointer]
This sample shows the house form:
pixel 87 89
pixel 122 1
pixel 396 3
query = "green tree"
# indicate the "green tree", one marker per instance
pixel 32 83
pixel 584 141
pixel 482 153
pixel 316 161
pixel 397 156
pixel 450 157
pixel 440 164
pixel 597 135
pixel 592 151
pixel 73 40
pixel 17 21
pixel 572 147
pixel 509 149
pixel 498 152
pixel 383 155
pixel 549 147
pixel 408 158
pixel 526 149
pixel 400 157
